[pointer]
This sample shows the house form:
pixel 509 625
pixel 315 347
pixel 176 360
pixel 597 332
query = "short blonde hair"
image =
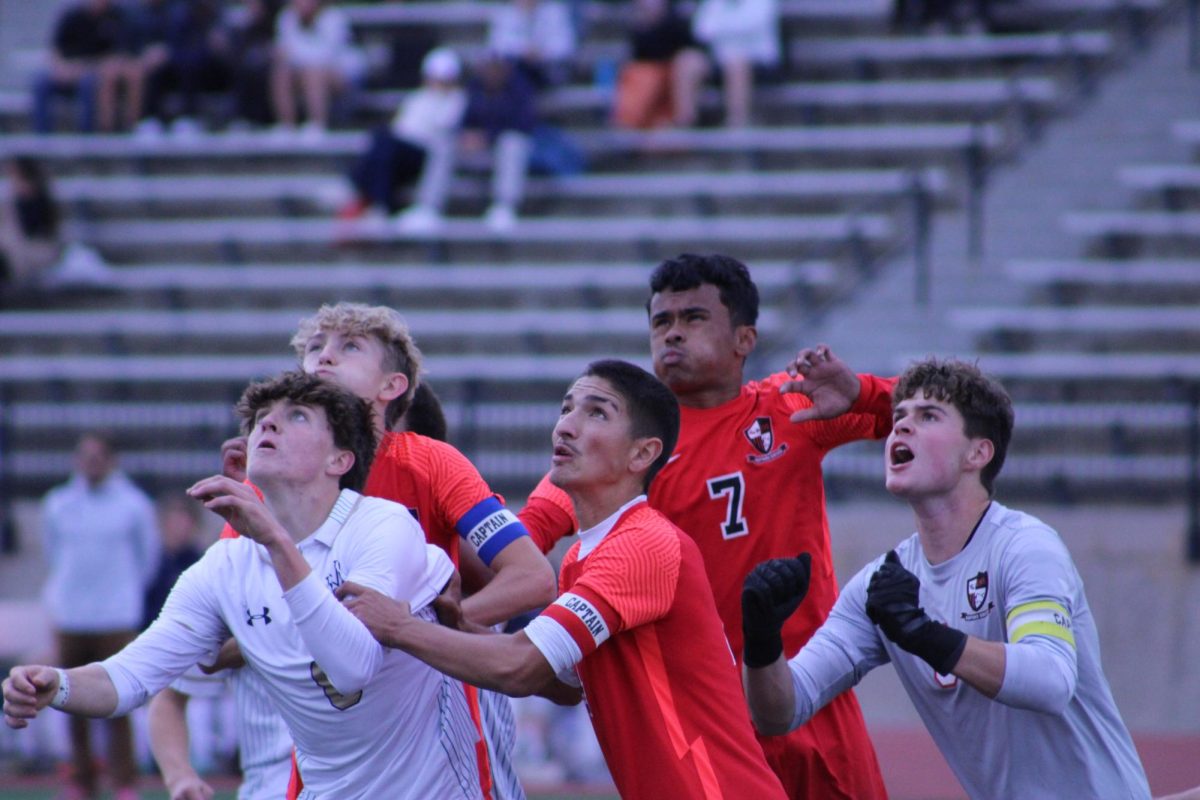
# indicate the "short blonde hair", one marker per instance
pixel 380 322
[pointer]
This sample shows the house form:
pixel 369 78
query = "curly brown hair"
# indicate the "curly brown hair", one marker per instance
pixel 984 404
pixel 349 417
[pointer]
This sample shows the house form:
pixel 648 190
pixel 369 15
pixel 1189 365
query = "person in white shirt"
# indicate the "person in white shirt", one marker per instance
pixel 310 448
pixel 981 611
pixel 742 35
pixel 537 35
pixel 314 53
pixel 101 543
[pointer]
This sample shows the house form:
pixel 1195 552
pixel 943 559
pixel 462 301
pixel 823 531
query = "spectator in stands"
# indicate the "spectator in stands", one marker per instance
pixel 315 55
pixel 179 524
pixel 537 36
pixel 101 542
pixel 252 43
pixel 83 54
pixel 29 242
pixel 198 62
pixel 143 51
pixel 500 116
pixel 417 144
pixel 658 85
pixel 743 36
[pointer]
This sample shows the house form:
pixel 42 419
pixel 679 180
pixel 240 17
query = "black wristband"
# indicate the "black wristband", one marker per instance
pixel 940 645
pixel 763 650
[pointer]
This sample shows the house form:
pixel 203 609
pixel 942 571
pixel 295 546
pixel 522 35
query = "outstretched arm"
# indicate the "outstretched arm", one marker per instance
pixel 507 663
pixel 85 691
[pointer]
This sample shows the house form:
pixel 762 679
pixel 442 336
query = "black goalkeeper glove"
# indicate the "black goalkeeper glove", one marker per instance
pixel 892 605
pixel 771 592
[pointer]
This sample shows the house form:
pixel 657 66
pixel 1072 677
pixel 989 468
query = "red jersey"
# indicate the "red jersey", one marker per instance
pixel 662 687
pixel 745 483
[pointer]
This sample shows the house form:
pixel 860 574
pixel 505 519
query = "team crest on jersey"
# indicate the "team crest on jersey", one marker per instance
pixel 761 435
pixel 977 596
pixel 334 579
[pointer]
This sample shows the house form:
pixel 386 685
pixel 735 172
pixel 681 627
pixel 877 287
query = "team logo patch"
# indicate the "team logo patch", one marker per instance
pixel 977 597
pixel 977 591
pixel 587 614
pixel 265 617
pixel 761 436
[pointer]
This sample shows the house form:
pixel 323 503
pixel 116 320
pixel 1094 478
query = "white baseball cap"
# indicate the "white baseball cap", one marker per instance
pixel 441 64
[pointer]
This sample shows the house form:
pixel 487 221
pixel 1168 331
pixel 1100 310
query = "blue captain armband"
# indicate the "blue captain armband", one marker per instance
pixel 490 527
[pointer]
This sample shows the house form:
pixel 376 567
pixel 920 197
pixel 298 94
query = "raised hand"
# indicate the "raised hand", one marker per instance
pixel 824 379
pixel 770 594
pixel 239 505
pixel 233 458
pixel 893 604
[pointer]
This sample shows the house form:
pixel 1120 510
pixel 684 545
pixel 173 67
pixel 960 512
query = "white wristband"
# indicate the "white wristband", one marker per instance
pixel 64 690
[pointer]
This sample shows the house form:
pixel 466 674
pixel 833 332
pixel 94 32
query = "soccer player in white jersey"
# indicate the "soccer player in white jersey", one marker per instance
pixel 981 611
pixel 310 446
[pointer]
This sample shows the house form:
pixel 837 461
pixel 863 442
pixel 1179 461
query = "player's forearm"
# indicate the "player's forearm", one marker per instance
pixel 290 566
pixel 342 646
pixel 770 696
pixel 524 581
pixel 169 735
pixel 507 663
pixel 982 665
pixel 92 692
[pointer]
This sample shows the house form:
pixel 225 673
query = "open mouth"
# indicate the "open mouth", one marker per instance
pixel 901 454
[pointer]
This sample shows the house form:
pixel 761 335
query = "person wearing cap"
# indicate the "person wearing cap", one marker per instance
pixel 416 147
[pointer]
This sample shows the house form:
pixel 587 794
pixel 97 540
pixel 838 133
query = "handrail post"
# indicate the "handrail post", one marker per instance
pixel 1193 477
pixel 922 214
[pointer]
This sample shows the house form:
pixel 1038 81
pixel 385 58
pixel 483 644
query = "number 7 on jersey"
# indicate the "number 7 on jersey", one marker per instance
pixel 733 488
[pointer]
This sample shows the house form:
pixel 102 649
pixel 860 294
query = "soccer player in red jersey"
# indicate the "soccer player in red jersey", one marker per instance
pixel 635 623
pixel 745 483
pixel 368 349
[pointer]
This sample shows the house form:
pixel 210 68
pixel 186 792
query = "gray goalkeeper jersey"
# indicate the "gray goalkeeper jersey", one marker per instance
pixel 1053 730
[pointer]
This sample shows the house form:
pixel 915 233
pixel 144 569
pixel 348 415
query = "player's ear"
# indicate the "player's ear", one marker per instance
pixel 645 452
pixel 395 384
pixel 981 454
pixel 341 462
pixel 744 339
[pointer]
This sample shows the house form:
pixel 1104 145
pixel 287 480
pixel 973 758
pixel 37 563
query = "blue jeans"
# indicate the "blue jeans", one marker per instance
pixel 44 90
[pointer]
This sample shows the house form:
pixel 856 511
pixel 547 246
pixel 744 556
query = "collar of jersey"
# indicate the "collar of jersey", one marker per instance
pixel 342 508
pixel 589 539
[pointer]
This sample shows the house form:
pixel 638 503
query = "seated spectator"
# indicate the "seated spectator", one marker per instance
pixel 536 35
pixel 142 52
pixel 252 43
pixel 742 35
pixel 314 55
pixel 83 53
pixel 421 133
pixel 29 242
pixel 499 116
pixel 658 85
pixel 198 61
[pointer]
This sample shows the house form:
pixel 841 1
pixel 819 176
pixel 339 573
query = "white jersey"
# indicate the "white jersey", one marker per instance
pixel 1053 730
pixel 367 721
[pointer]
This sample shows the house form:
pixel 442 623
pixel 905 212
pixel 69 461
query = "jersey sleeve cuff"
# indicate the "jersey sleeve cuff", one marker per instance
pixel 555 644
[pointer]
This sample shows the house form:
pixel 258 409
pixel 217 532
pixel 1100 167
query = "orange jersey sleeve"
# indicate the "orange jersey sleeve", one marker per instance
pixel 548 515
pixel 629 580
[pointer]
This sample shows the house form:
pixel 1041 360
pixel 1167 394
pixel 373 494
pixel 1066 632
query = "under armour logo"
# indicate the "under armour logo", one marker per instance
pixel 265 616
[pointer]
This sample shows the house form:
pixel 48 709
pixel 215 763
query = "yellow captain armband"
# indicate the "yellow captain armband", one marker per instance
pixel 1040 618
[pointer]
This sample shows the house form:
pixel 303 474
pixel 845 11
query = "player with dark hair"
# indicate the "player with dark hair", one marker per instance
pixel 745 483
pixel 635 624
pixel 310 445
pixel 981 611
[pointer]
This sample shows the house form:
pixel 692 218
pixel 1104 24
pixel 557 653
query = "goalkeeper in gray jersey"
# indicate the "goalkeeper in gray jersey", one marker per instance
pixel 981 611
